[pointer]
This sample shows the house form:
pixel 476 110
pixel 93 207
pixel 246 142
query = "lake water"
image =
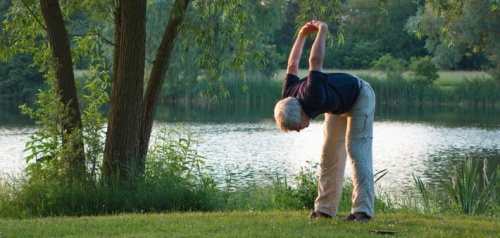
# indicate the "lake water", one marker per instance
pixel 243 142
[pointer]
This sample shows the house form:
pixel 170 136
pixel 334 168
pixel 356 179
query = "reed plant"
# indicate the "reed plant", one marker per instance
pixel 477 93
pixel 471 192
pixel 466 191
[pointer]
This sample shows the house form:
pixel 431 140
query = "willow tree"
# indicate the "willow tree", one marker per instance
pixel 41 28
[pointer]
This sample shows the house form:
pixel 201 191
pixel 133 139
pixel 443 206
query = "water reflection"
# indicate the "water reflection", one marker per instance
pixel 10 116
pixel 441 115
pixel 232 112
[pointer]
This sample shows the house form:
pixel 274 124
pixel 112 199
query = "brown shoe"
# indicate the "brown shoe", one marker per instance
pixel 318 214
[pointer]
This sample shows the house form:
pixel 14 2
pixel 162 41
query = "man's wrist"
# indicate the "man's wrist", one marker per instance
pixel 302 34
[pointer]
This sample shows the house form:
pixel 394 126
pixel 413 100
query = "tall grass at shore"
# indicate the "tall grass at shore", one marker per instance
pixel 465 192
pixel 470 190
pixel 469 89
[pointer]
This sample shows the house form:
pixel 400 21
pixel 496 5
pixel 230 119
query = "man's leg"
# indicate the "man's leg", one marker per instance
pixel 359 148
pixel 332 165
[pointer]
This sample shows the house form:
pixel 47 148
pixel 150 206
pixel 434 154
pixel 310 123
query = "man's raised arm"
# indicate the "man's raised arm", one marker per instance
pixel 296 52
pixel 318 48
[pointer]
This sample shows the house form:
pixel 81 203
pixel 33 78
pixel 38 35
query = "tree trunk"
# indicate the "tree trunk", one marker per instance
pixel 158 72
pixel 121 154
pixel 71 122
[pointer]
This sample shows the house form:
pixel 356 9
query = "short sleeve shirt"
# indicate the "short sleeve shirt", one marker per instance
pixel 322 92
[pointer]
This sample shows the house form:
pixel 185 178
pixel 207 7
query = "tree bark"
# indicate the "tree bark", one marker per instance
pixel 158 72
pixel 71 122
pixel 121 154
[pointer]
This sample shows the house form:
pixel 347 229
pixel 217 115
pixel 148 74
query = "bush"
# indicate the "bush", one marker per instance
pixel 307 185
pixel 424 71
pixel 393 67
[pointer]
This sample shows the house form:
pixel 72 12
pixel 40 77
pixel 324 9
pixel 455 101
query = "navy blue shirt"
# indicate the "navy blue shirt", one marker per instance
pixel 321 92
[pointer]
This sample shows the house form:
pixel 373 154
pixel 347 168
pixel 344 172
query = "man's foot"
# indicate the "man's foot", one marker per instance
pixel 318 214
pixel 363 218
pixel 351 217
pixel 360 218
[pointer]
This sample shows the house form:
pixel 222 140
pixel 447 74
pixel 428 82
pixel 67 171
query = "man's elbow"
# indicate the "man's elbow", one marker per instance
pixel 293 69
pixel 293 65
pixel 315 63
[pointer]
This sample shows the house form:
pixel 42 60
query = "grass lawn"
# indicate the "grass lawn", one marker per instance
pixel 249 224
pixel 450 78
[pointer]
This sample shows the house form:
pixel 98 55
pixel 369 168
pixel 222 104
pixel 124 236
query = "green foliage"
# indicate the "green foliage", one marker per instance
pixel 393 67
pixel 230 39
pixel 424 70
pixel 362 55
pixel 95 98
pixel 462 30
pixel 174 151
pixel 373 29
pixel 307 185
pixel 23 32
pixel 44 146
pixel 326 11
pixel 19 81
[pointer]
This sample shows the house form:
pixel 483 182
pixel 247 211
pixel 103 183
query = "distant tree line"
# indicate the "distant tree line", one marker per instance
pixel 370 30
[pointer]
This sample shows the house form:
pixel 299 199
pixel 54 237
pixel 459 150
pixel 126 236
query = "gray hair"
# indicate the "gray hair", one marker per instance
pixel 287 113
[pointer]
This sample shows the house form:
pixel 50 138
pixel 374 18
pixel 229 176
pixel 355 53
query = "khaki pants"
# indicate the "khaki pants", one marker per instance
pixel 348 135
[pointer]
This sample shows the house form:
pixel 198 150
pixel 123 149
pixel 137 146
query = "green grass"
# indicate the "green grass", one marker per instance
pixel 452 78
pixel 248 224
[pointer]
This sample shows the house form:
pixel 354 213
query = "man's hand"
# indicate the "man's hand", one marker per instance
pixel 294 58
pixel 312 27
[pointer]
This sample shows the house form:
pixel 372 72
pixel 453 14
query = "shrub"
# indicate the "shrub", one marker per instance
pixel 393 67
pixel 424 71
